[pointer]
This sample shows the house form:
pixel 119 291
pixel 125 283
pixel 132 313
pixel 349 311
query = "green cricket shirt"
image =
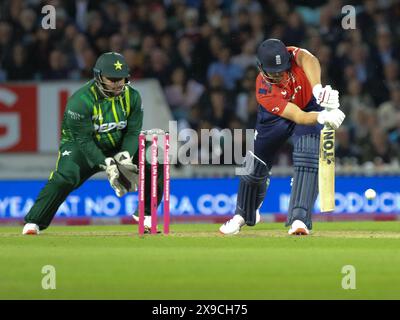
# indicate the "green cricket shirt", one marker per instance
pixel 102 126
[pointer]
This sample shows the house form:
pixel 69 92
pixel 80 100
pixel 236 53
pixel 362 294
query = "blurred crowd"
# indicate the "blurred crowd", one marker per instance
pixel 203 53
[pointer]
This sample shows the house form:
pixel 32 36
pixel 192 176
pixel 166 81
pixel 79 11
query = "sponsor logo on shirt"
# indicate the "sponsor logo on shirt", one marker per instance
pixel 74 115
pixel 105 127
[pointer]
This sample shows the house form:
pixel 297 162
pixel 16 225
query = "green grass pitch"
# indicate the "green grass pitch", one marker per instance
pixel 195 262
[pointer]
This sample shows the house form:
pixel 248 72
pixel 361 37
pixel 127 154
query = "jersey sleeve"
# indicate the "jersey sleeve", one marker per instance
pixel 272 101
pixel 130 140
pixel 294 51
pixel 79 119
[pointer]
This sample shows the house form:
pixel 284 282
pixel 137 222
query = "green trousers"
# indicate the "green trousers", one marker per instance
pixel 72 170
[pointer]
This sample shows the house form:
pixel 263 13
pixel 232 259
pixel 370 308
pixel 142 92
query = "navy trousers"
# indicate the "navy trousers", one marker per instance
pixel 273 131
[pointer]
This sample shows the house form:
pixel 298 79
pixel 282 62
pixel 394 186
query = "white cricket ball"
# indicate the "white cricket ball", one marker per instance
pixel 370 194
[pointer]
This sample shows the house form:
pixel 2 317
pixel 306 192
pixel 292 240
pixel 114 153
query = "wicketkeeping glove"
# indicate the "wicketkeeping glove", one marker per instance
pixel 113 175
pixel 128 172
pixel 326 97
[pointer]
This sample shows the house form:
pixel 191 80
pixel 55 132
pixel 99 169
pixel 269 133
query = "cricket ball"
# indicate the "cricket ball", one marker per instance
pixel 370 194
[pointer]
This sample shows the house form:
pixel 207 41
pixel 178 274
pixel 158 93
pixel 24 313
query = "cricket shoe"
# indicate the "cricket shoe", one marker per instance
pixel 234 225
pixel 147 223
pixel 31 228
pixel 298 228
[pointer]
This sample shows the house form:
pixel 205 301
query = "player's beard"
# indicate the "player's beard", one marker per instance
pixel 281 80
pixel 113 91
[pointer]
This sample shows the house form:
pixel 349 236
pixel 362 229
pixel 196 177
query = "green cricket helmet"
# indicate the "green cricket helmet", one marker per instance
pixel 113 66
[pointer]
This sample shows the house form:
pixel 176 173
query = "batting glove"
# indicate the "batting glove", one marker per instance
pixel 326 97
pixel 333 118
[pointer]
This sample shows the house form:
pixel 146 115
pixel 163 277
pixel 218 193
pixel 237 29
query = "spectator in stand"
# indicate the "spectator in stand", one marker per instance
pixel 182 93
pixel 66 45
pixel 394 136
pixel 247 57
pixel 159 22
pixel 217 109
pixel 324 54
pixel 58 66
pixel 210 12
pixel 110 10
pixel 158 66
pixel 190 27
pixel 391 73
pixel 78 11
pixel 5 39
pixel 295 30
pixel 353 101
pixel 95 27
pixel 41 50
pixel 18 66
pixel 26 27
pixel 184 54
pixel 89 60
pixel 364 121
pixel 257 24
pixel 379 149
pixel 134 59
pixel 251 6
pixel 245 110
pixel 386 51
pixel 80 44
pixel 345 150
pixel 124 20
pixel 226 69
pixel 388 111
pixel 117 43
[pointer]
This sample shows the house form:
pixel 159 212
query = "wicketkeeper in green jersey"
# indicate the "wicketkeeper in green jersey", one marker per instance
pixel 100 129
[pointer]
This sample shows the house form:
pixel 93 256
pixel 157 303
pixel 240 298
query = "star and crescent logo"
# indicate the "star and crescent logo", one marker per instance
pixel 118 65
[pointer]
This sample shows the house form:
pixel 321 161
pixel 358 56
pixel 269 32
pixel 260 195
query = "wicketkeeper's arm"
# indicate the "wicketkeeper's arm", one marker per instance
pixel 130 140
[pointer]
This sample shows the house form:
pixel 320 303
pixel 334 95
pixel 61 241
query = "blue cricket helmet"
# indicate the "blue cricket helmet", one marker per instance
pixel 273 56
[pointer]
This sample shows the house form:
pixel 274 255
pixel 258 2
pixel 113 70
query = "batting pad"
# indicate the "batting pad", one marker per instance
pixel 252 188
pixel 305 180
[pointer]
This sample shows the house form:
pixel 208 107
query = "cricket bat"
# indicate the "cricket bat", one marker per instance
pixel 326 173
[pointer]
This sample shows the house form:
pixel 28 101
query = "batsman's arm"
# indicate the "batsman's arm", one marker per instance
pixel 310 65
pixel 294 113
pixel 79 120
pixel 130 140
pixel 325 96
pixel 332 118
